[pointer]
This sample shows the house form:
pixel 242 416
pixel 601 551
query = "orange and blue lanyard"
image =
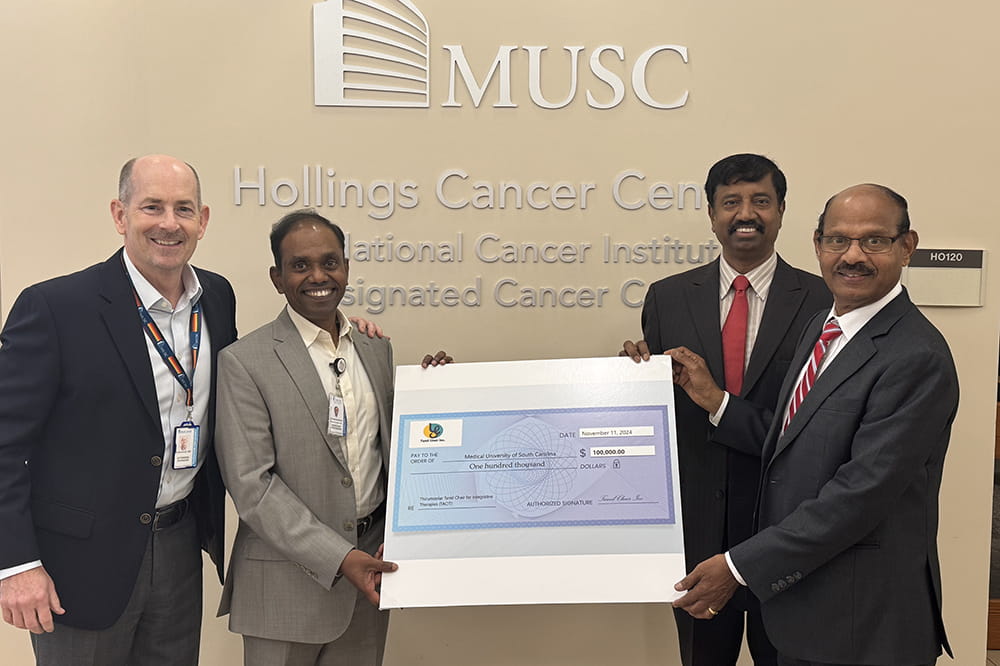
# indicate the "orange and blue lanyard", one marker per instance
pixel 167 354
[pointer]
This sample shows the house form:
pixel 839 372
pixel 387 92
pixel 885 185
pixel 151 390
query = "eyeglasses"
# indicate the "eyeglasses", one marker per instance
pixel 868 244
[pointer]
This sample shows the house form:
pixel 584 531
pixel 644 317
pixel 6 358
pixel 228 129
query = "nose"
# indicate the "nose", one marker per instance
pixel 746 211
pixel 168 220
pixel 854 254
pixel 317 274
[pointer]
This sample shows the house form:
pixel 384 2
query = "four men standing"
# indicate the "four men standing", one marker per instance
pixel 109 482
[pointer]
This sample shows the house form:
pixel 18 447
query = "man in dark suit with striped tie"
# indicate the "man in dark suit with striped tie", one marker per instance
pixel 844 559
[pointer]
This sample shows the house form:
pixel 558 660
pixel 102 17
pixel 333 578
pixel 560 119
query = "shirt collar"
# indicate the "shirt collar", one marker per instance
pixel 152 299
pixel 855 320
pixel 310 332
pixel 760 278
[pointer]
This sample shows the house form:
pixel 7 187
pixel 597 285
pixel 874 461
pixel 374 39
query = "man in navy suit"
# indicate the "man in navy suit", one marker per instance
pixel 845 559
pixel 719 460
pixel 109 487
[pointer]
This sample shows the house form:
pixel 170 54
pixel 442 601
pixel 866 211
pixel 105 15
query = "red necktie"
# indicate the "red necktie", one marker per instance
pixel 734 336
pixel 830 332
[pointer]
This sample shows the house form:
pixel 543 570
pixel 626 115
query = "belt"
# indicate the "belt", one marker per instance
pixel 170 515
pixel 365 524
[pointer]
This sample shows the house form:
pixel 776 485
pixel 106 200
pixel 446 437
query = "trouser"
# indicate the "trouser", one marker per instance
pixel 160 626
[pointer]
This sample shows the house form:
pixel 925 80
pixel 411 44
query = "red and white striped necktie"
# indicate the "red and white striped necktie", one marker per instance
pixel 831 331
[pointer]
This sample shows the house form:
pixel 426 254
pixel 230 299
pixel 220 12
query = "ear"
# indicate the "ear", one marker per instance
pixel 275 274
pixel 205 212
pixel 118 215
pixel 816 235
pixel 909 244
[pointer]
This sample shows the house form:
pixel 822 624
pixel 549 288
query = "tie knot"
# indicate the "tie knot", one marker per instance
pixel 830 331
pixel 740 283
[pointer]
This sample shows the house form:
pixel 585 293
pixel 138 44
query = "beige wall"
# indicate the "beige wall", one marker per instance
pixel 895 92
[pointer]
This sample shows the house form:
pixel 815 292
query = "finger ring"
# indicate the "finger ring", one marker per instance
pixel 713 611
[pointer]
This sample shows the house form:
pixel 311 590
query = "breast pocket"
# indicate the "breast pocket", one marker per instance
pixel 842 405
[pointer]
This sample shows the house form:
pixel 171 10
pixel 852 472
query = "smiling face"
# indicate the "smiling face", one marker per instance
pixel 746 217
pixel 855 278
pixel 312 274
pixel 162 220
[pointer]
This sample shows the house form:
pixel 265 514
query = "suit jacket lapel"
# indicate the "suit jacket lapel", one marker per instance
pixel 295 357
pixel 783 302
pixel 809 337
pixel 212 306
pixel 702 295
pixel 364 348
pixel 851 358
pixel 119 313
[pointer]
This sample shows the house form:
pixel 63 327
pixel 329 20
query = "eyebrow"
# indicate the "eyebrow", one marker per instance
pixel 753 195
pixel 159 200
pixel 302 257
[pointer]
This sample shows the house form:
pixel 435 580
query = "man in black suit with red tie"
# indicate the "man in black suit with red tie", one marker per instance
pixel 743 314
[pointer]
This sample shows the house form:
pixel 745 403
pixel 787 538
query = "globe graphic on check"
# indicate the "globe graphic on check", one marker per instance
pixel 542 470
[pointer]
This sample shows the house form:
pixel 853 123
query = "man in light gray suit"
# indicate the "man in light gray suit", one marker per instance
pixel 304 423
pixel 845 559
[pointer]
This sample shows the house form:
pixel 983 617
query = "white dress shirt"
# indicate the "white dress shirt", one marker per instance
pixel 364 457
pixel 174 324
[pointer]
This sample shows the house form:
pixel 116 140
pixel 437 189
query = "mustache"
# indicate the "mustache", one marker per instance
pixel 858 269
pixel 758 227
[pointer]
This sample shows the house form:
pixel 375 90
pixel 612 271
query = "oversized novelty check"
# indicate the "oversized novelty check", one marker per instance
pixel 533 482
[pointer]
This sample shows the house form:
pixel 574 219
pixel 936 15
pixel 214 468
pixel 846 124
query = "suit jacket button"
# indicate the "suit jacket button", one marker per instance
pixel 719 494
pixel 347 482
pixel 145 519
pixel 156 461
pixel 349 526
pixel 775 588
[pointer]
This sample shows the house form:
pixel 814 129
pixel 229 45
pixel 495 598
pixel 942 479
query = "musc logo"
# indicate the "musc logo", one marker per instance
pixel 377 53
pixel 433 430
pixel 370 53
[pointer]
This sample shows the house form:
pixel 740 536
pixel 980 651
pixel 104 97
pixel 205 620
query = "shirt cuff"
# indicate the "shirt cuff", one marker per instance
pixel 21 568
pixel 717 416
pixel 732 569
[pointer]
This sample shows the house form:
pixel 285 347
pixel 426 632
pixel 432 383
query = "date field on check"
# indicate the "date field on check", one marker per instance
pixel 616 431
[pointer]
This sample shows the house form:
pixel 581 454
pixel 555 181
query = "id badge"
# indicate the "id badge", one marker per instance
pixel 186 445
pixel 337 419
